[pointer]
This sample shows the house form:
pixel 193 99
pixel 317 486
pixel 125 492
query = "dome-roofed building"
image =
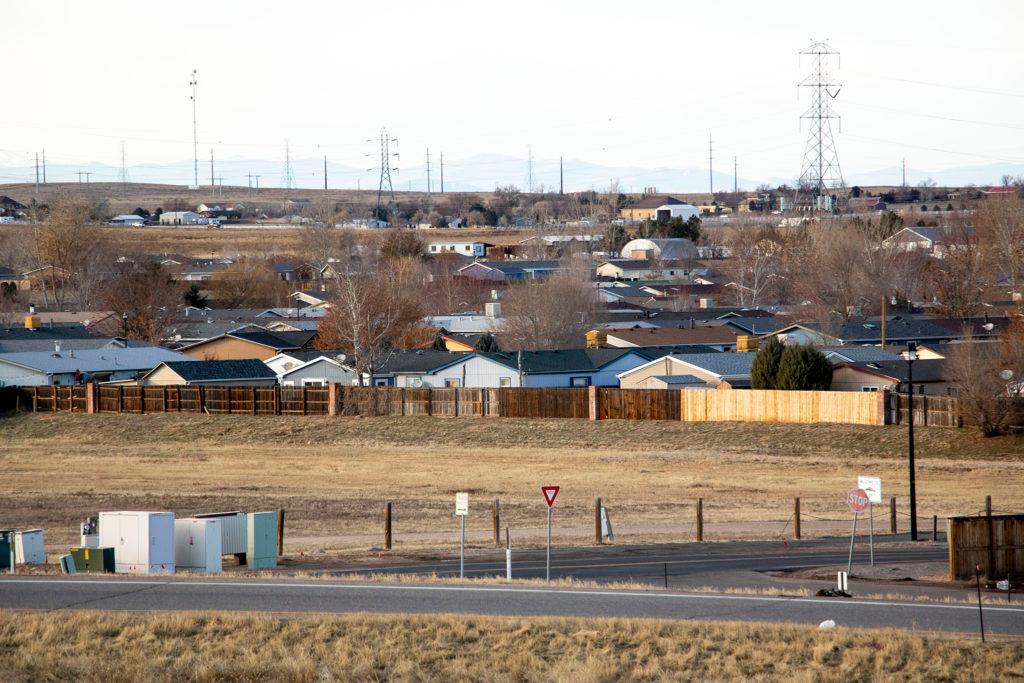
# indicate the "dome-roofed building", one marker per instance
pixel 675 249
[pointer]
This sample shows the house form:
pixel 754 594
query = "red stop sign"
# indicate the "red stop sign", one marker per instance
pixel 858 500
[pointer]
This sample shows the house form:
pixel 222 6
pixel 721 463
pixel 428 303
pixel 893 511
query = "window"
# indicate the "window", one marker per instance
pixel 382 382
pixel 869 388
pixel 504 381
pixel 312 383
pixel 433 247
pixel 453 382
pixel 579 381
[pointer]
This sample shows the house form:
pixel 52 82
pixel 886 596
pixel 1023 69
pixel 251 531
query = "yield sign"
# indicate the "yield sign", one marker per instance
pixel 550 492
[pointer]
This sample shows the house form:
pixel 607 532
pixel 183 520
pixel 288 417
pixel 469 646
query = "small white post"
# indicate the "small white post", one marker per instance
pixel 462 546
pixel 508 555
pixel 871 532
pixel 547 567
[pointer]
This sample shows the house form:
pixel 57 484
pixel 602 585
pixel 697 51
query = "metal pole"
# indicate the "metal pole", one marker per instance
pixel 462 546
pixel 547 568
pixel 910 437
pixel 849 561
pixel 871 532
pixel 892 514
pixel 796 517
pixel 387 526
pixel 597 521
pixel 981 616
pixel 700 520
pixel 508 554
pixel 497 523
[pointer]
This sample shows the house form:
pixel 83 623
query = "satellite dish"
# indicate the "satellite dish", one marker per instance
pixel 1007 375
pixel 341 357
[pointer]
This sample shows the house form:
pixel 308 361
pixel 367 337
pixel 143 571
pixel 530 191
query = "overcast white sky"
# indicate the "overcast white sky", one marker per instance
pixel 621 83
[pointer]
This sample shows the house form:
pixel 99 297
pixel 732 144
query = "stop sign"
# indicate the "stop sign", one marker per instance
pixel 858 500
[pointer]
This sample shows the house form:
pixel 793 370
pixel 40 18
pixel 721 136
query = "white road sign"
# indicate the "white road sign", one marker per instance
pixel 462 504
pixel 872 486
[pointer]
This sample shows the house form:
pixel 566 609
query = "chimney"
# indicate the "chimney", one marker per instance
pixel 56 346
pixel 31 309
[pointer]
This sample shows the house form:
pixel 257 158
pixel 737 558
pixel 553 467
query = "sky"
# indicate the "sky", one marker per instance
pixel 638 83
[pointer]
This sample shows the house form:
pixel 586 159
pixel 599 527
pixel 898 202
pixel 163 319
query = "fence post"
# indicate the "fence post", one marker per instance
pixel 387 526
pixel 700 520
pixel 53 398
pixel 332 399
pixel 430 401
pixel 892 514
pixel 165 398
pixel 796 517
pixel 991 571
pixel 35 399
pixel 202 398
pixel 935 527
pixel 277 399
pixel 304 408
pixel 401 396
pixel 177 397
pixel 252 395
pixel 120 398
pixel 497 522
pixel 597 519
pixel 142 400
pixel 458 391
pixel 90 398
pixel 594 410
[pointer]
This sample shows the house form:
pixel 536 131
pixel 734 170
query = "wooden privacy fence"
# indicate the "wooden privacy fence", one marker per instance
pixel 759 405
pixel 995 542
pixel 595 403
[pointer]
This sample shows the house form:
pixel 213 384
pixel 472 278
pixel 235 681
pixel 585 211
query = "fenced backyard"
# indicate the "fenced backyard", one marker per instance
pixel 594 403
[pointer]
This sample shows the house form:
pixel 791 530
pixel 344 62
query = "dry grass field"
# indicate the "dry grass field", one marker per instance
pixel 333 475
pixel 205 647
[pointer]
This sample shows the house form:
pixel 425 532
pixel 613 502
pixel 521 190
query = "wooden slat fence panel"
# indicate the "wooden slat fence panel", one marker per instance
pixel 969 546
pixel 756 405
pixel 544 402
pixel 638 404
pixel 443 402
pixel 471 402
pixel 416 401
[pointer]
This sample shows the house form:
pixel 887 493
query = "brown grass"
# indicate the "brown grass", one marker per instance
pixel 203 647
pixel 334 474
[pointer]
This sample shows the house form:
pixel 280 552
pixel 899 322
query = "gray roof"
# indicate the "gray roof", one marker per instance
pixel 721 364
pixel 93 360
pixel 66 345
pixel 858 354
pixel 419 360
pixel 681 379
pixel 215 370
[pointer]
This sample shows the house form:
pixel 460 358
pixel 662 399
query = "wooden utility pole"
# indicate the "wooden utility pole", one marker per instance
pixel 597 521
pixel 700 520
pixel 387 526
pixel 796 517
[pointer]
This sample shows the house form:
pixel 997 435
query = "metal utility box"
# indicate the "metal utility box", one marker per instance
pixel 261 551
pixel 90 536
pixel 93 559
pixel 233 531
pixel 28 547
pixel 6 549
pixel 143 542
pixel 197 544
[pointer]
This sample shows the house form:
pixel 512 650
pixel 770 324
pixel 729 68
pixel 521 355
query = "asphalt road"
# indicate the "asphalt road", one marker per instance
pixel 43 593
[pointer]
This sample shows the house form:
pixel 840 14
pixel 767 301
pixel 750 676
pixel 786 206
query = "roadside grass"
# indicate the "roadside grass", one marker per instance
pixel 232 647
pixel 333 475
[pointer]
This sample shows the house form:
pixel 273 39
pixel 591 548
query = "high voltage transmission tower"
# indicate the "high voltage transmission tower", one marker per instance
pixel 820 168
pixel 122 176
pixel 195 129
pixel 287 176
pixel 384 186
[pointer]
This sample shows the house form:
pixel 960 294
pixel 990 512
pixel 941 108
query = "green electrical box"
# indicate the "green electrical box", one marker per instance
pixel 261 550
pixel 6 549
pixel 93 559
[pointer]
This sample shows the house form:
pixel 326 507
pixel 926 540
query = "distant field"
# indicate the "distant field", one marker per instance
pixel 214 646
pixel 333 475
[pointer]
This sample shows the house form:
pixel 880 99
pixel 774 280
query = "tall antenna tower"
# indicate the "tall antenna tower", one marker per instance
pixel 428 171
pixel 122 176
pixel 195 130
pixel 287 177
pixel 820 168
pixel 384 187
pixel 529 169
pixel 711 167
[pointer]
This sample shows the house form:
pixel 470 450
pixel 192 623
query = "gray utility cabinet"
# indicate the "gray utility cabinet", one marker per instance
pixel 261 550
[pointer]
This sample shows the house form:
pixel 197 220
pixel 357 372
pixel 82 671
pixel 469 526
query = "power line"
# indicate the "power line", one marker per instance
pixel 195 129
pixel 984 91
pixel 820 167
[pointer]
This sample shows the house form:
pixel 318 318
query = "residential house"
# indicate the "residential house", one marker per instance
pixel 229 373
pixel 898 330
pixel 312 298
pixel 931 377
pixel 719 337
pixel 474 249
pixel 249 343
pixel 647 208
pixel 128 219
pixel 715 370
pixel 929 240
pixel 294 272
pixel 642 269
pixel 64 367
pixel 312 368
pixel 506 271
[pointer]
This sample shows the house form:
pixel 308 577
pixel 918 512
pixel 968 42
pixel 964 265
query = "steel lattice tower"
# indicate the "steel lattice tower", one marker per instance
pixel 820 168
pixel 287 176
pixel 384 186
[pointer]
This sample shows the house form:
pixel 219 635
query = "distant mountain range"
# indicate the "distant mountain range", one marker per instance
pixel 482 172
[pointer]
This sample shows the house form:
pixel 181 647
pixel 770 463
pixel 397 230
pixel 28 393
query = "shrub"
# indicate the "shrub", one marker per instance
pixel 803 368
pixel 765 369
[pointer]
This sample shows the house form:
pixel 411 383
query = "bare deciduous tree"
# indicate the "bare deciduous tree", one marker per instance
pixel 552 313
pixel 149 296
pixel 62 245
pixel 988 377
pixel 959 278
pixel 249 282
pixel 753 263
pixel 1000 227
pixel 323 239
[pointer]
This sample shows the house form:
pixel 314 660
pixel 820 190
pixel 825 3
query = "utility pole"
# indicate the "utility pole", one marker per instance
pixel 561 177
pixel 711 164
pixel 735 176
pixel 123 175
pixel 529 169
pixel 44 167
pixel 83 173
pixel 195 129
pixel 428 171
pixel 325 171
pixel 37 173
pixel 904 171
pixel 213 184
pixel 442 172
pixel 257 183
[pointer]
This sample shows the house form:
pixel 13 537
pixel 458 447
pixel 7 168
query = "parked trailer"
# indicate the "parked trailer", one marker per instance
pixel 197 544
pixel 143 542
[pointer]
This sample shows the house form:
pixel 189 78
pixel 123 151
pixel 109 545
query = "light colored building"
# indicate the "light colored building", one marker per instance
pixel 716 370
pixel 475 249
pixel 311 368
pixel 180 218
pixel 128 219
pixel 38 368
pixel 226 373
pixel 672 249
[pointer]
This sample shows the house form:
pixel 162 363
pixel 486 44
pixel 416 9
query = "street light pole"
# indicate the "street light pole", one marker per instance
pixel 124 326
pixel 911 356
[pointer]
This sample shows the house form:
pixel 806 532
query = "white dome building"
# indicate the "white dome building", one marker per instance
pixel 673 249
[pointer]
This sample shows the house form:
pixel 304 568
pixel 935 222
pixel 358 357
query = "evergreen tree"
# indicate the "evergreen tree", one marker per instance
pixel 765 369
pixel 487 342
pixel 194 297
pixel 803 368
